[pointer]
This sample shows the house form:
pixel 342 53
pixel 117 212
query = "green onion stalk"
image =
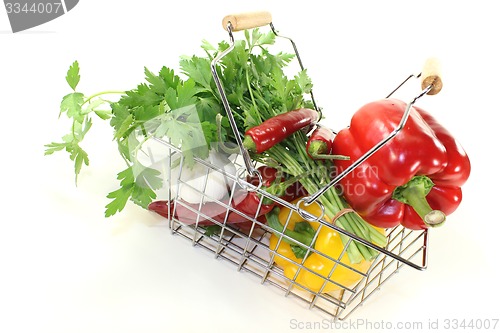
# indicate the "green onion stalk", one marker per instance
pixel 296 162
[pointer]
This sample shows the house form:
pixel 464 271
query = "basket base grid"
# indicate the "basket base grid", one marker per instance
pixel 250 253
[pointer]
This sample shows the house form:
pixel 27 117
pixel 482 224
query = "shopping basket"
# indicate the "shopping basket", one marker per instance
pixel 247 246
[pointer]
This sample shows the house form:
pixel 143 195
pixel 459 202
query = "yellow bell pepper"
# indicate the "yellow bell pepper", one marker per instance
pixel 290 253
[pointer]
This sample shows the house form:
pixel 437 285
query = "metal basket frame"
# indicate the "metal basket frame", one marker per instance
pixel 248 249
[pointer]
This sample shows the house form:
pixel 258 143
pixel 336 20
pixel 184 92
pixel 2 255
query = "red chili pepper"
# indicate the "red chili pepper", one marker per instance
pixel 243 207
pixel 294 191
pixel 419 172
pixel 191 213
pixel 320 144
pixel 274 130
pixel 249 206
pixel 187 212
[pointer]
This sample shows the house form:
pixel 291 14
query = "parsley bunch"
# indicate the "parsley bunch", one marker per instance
pixel 188 112
pixel 183 110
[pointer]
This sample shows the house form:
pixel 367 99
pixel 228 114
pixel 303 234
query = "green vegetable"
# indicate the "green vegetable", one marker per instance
pixel 78 108
pixel 186 111
pixel 164 106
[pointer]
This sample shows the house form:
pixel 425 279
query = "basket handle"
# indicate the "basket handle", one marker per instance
pixel 248 20
pixel 232 23
pixel 431 76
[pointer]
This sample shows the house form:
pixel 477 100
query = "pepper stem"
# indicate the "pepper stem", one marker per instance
pixel 303 233
pixel 249 144
pixel 318 149
pixel 414 194
pixel 222 145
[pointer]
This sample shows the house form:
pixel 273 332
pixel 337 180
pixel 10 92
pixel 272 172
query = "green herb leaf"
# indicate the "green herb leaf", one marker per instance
pixel 72 105
pixel 198 69
pixel 73 75
pixel 137 183
pixel 103 114
pixel 53 147
pixel 79 156
pixel 157 84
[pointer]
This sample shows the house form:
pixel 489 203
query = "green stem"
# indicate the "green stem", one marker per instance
pixel 249 144
pixel 352 223
pixel 250 90
pixel 222 145
pixel 331 202
pixel 304 238
pixel 431 217
pixel 106 92
pixel 318 150
pixel 414 193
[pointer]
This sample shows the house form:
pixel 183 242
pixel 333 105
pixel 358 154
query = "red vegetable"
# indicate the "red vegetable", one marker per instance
pixel 191 213
pixel 414 180
pixel 320 144
pixel 244 204
pixel 249 206
pixel 274 130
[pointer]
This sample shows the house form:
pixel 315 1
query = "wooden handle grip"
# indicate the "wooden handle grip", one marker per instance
pixel 431 75
pixel 248 20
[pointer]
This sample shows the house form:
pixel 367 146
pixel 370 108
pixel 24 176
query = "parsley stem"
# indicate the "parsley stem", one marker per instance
pixel 106 92
pixel 250 90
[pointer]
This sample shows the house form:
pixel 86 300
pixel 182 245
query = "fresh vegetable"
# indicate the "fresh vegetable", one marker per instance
pixel 275 129
pixel 319 272
pixel 254 205
pixel 320 144
pixel 204 215
pixel 242 207
pixel 415 180
pixel 78 108
pixel 202 184
pixel 185 111
pixel 164 107
pixel 190 213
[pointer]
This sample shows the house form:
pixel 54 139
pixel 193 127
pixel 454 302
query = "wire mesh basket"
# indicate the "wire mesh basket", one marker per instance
pixel 247 246
pixel 209 223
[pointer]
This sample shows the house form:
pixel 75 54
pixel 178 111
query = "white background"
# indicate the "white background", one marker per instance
pixel 66 268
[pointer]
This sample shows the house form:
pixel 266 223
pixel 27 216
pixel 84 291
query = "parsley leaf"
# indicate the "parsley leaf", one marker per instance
pixel 72 105
pixel 137 183
pixel 73 75
pixel 198 69
pixel 78 155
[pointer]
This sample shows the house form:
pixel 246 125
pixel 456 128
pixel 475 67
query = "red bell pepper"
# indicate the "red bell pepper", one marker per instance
pixel 414 180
